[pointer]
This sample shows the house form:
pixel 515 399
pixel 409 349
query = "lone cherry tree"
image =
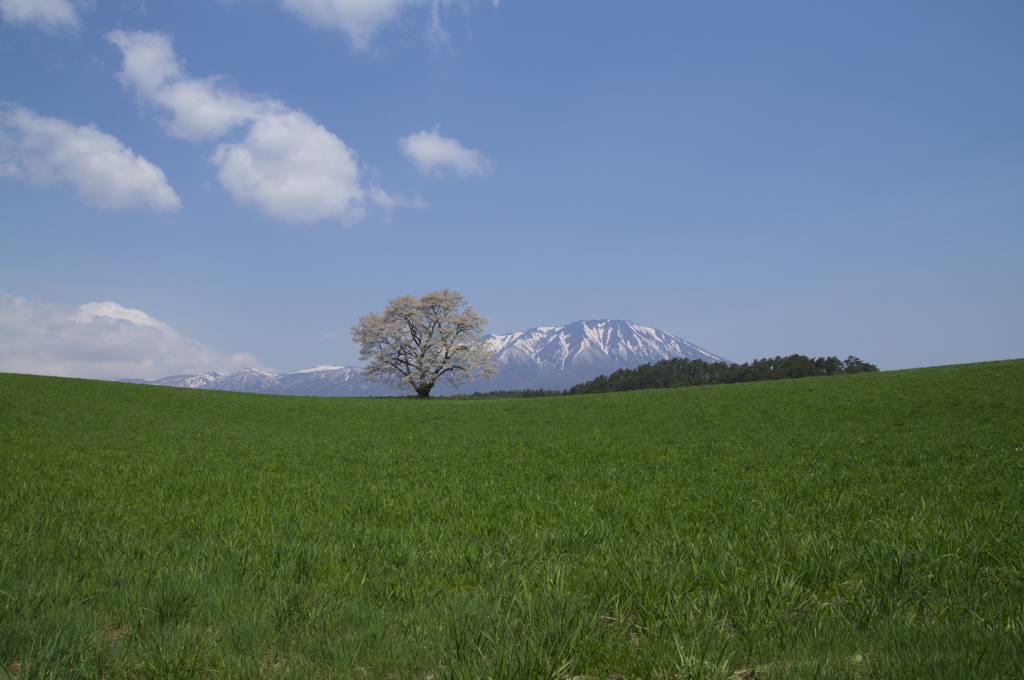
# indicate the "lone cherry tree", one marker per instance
pixel 417 342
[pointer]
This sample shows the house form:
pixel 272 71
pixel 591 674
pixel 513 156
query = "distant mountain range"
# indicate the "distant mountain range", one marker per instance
pixel 320 381
pixel 552 358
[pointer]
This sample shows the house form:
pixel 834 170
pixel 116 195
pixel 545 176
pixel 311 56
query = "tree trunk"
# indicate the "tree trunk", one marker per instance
pixel 424 389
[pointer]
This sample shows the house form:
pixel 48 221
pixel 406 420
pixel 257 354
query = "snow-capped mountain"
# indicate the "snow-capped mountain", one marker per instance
pixel 558 357
pixel 194 381
pixel 550 357
pixel 332 381
pixel 246 380
pixel 320 381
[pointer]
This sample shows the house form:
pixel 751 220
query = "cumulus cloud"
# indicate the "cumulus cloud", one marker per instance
pixel 100 340
pixel 293 169
pixel 49 15
pixel 102 170
pixel 288 165
pixel 360 19
pixel 432 153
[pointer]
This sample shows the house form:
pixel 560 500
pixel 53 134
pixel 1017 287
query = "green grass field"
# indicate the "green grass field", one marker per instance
pixel 864 526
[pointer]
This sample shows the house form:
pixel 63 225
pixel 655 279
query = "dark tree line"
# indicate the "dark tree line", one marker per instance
pixel 684 372
pixel 511 394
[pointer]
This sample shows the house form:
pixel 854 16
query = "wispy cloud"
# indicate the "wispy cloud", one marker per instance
pixel 288 165
pixel 360 19
pixel 357 18
pixel 433 153
pixel 101 340
pixel 49 15
pixel 102 170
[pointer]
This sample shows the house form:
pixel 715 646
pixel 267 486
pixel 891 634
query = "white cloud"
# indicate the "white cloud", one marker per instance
pixel 102 170
pixel 391 201
pixel 361 19
pixel 49 15
pixel 432 153
pixel 358 18
pixel 288 165
pixel 202 108
pixel 293 169
pixel 101 340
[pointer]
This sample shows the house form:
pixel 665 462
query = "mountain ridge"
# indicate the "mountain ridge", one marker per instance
pixel 546 357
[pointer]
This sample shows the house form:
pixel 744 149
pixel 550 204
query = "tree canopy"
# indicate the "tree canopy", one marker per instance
pixel 417 342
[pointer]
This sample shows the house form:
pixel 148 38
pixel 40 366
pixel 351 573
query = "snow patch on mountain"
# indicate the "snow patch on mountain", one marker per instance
pixel 319 369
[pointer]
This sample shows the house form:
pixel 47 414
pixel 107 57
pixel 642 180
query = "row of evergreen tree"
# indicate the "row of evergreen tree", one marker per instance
pixel 511 394
pixel 683 372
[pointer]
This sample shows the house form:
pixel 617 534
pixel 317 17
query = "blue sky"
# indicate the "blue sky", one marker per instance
pixel 201 185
